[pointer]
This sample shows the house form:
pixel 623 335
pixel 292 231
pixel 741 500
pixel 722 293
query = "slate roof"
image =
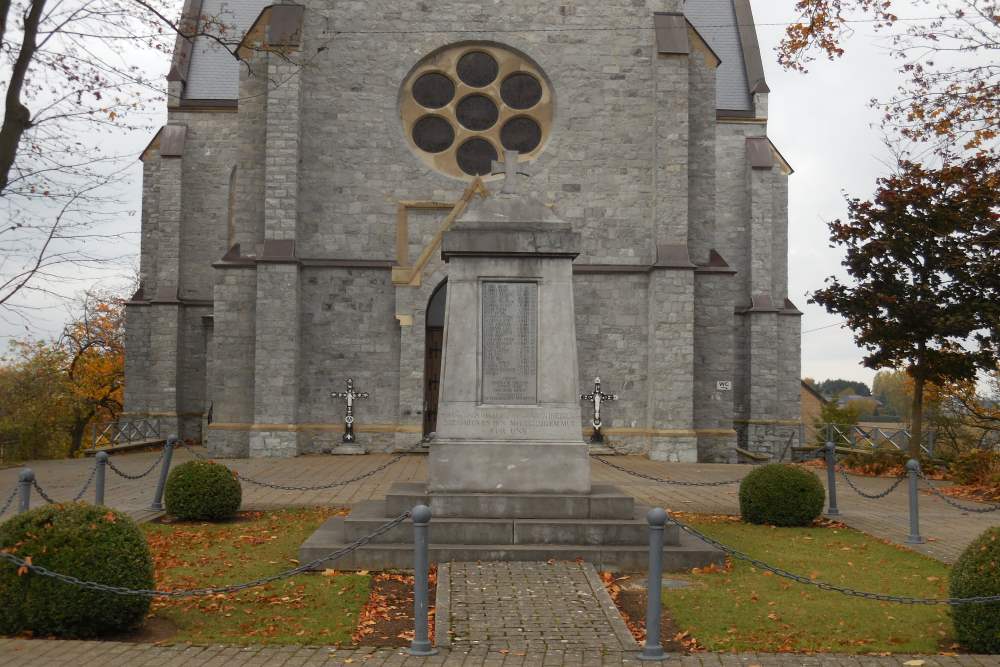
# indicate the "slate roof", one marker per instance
pixel 214 73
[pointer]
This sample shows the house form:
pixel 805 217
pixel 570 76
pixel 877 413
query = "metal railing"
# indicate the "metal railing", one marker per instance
pixel 872 438
pixel 125 432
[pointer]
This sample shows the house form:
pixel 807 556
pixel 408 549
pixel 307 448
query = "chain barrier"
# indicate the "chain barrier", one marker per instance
pixel 86 485
pixel 843 590
pixel 202 592
pixel 120 473
pixel 10 499
pixel 871 496
pixel 652 478
pixel 42 493
pixel 322 487
pixel 957 505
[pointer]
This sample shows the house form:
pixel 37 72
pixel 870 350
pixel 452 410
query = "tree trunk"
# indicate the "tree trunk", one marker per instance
pixel 917 422
pixel 17 118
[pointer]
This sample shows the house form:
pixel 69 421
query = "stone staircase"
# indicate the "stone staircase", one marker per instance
pixel 604 527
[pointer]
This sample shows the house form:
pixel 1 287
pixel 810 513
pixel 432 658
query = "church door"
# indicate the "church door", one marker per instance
pixel 432 363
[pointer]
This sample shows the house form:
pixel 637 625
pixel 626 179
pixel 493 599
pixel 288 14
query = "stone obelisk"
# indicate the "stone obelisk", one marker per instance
pixel 509 414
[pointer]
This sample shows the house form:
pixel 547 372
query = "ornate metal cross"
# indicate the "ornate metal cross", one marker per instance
pixel 598 398
pixel 511 170
pixel 350 396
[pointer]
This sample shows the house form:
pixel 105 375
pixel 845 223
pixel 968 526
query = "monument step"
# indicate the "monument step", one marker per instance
pixel 603 502
pixel 366 517
pixel 682 557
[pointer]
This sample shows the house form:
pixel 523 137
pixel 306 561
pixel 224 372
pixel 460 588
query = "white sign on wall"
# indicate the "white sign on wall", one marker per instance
pixel 724 385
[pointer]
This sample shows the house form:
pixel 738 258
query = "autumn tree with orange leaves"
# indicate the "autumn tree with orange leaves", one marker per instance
pixel 51 391
pixel 951 97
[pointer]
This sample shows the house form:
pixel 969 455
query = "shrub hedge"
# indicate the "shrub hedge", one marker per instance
pixel 203 491
pixel 781 495
pixel 89 542
pixel 977 573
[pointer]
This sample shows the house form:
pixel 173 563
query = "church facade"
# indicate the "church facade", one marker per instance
pixel 294 204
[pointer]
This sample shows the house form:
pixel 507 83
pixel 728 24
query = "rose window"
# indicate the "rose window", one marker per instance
pixel 464 105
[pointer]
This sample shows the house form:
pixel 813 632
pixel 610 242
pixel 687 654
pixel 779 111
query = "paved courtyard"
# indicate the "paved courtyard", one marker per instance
pixel 16 652
pixel 947 529
pixel 500 613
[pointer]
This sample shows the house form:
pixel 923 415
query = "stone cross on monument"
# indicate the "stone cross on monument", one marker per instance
pixel 349 397
pixel 598 397
pixel 511 170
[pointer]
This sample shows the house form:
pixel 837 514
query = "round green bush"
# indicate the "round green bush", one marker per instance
pixel 781 495
pixel 975 574
pixel 203 491
pixel 89 542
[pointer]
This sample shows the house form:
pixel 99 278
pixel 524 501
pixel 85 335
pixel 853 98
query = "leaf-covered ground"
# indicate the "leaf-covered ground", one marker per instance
pixel 745 609
pixel 309 609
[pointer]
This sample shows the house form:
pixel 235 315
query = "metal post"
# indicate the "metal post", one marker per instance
pixel 168 453
pixel 913 469
pixel 653 650
pixel 24 483
pixel 101 461
pixel 421 645
pixel 831 478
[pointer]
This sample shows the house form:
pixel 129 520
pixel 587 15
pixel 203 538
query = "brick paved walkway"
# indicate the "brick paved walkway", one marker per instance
pixel 108 654
pixel 948 529
pixel 532 607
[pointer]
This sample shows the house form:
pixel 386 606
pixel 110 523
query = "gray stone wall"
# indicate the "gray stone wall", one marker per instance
pixel 612 326
pixel 251 157
pixel 357 152
pixel 349 330
pixel 231 363
pixel 209 158
pixel 137 380
pixel 702 164
pixel 670 365
pixel 714 362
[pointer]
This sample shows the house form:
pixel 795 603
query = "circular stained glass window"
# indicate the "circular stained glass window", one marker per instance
pixel 521 134
pixel 433 134
pixel 464 105
pixel 521 91
pixel 433 90
pixel 477 113
pixel 476 157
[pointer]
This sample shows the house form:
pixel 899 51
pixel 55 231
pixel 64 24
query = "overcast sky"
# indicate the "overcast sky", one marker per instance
pixel 821 122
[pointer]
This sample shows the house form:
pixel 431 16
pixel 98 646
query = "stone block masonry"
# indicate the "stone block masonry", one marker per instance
pixel 681 282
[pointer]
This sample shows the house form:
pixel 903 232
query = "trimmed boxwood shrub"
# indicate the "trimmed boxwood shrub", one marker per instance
pixel 89 542
pixel 203 491
pixel 781 495
pixel 975 574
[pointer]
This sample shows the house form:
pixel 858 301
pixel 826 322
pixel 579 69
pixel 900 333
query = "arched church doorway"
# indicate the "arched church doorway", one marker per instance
pixel 432 356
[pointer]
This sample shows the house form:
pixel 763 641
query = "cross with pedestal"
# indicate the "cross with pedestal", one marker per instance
pixel 350 396
pixel 598 398
pixel 511 169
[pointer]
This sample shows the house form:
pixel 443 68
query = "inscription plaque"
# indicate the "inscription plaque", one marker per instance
pixel 510 343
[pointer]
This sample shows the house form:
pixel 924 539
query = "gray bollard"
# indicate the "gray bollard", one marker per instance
pixel 101 461
pixel 653 650
pixel 913 469
pixel 24 483
pixel 831 478
pixel 168 453
pixel 421 645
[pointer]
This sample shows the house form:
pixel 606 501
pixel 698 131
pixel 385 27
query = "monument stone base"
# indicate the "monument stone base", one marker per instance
pixel 604 527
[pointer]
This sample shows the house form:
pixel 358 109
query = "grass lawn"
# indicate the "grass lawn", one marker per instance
pixel 307 609
pixel 746 609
